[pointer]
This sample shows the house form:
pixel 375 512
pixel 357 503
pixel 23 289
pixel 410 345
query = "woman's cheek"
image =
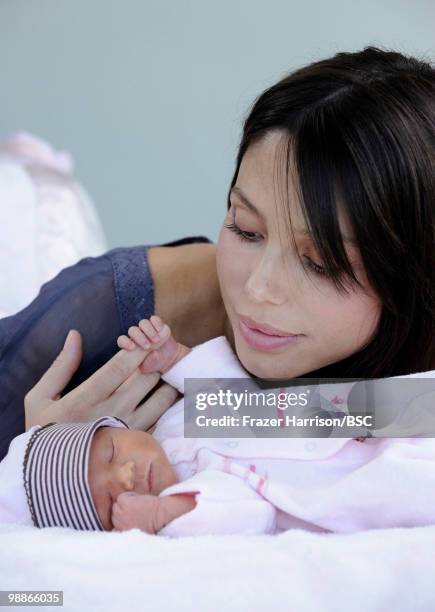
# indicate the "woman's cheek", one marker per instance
pixel 236 274
pixel 227 254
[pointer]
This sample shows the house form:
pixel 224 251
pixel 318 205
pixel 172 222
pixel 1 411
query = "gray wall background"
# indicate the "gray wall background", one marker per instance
pixel 149 95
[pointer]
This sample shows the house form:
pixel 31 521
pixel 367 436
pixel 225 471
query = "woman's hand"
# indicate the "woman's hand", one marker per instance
pixel 115 389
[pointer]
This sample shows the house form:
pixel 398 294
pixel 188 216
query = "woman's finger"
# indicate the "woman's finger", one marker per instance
pixel 132 391
pixel 152 409
pixel 124 402
pixel 58 375
pixel 106 380
pixel 124 342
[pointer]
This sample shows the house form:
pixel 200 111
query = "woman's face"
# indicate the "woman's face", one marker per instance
pixel 120 460
pixel 264 281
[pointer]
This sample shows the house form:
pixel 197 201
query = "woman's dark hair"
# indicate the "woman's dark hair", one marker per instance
pixel 361 126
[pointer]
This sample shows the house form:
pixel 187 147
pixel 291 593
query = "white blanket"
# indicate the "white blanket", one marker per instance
pixel 389 569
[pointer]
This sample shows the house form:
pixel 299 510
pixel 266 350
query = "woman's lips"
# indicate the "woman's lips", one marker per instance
pixel 266 329
pixel 265 342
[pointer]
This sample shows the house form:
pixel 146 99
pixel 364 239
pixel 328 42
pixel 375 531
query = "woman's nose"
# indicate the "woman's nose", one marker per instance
pixel 268 281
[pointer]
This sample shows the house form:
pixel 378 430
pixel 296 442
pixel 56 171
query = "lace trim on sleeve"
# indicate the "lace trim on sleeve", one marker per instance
pixel 134 287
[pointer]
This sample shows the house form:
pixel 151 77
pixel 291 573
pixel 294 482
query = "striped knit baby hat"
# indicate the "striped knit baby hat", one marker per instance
pixel 55 472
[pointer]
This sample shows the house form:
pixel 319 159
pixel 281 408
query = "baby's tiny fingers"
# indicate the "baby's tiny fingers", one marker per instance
pixel 136 334
pixel 117 511
pixel 148 329
pixel 157 322
pixel 125 343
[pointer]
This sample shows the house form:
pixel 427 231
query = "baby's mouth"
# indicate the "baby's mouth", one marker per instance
pixel 150 478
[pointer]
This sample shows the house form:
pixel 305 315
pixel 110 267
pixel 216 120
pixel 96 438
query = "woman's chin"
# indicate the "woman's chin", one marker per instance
pixel 252 363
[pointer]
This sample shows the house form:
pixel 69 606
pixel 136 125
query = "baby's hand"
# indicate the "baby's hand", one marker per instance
pixel 154 336
pixel 132 510
pixel 146 335
pixel 149 512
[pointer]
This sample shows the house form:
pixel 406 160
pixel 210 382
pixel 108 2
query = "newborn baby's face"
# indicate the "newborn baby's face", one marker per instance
pixel 125 460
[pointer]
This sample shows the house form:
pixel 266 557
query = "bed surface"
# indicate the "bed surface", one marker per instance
pixel 389 569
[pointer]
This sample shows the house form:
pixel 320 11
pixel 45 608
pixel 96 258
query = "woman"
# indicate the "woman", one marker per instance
pixel 329 237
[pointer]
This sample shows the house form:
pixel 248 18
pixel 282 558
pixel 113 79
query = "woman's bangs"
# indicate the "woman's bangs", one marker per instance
pixel 311 166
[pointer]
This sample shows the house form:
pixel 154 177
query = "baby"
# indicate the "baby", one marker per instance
pixel 103 476
pixel 269 485
pixel 68 474
pixel 145 467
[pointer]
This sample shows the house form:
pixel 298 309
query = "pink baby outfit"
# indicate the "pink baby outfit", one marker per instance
pixel 267 485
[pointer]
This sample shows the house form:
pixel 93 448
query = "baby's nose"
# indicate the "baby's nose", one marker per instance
pixel 127 475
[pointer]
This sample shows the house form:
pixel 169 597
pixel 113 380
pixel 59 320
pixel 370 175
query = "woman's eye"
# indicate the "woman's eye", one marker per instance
pixel 314 267
pixel 251 237
pixel 247 236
